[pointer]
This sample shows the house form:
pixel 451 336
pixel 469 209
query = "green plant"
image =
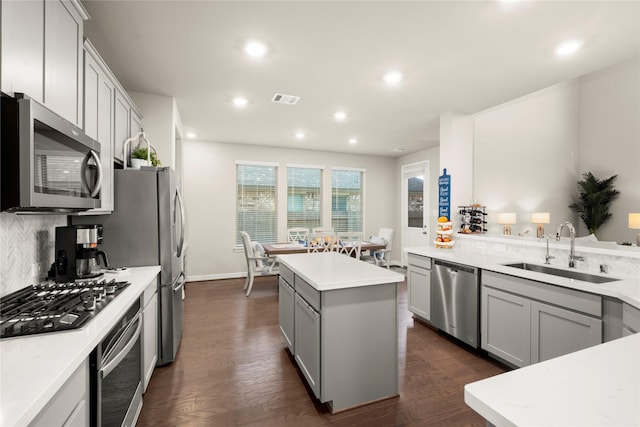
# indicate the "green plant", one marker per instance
pixel 594 200
pixel 143 153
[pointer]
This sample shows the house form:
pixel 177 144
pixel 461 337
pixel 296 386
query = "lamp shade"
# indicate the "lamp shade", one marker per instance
pixel 540 218
pixel 507 218
pixel 634 221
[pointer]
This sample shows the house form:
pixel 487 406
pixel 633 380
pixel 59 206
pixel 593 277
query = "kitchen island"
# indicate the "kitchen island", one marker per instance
pixel 339 319
pixel 34 368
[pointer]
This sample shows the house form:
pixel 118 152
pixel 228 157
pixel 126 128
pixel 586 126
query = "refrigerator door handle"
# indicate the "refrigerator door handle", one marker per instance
pixel 178 202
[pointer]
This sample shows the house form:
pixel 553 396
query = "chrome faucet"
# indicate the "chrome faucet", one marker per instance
pixel 572 234
pixel 547 257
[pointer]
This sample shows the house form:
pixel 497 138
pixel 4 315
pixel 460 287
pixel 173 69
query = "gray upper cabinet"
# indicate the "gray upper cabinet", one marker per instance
pixel 99 112
pixel 128 122
pixel 42 53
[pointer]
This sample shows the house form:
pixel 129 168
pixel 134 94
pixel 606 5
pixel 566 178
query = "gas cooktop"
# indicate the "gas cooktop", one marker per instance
pixel 50 307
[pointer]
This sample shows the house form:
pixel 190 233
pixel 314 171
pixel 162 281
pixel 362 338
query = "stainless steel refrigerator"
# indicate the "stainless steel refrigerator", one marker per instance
pixel 147 228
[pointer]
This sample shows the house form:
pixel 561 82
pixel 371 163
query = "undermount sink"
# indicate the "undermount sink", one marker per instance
pixel 576 275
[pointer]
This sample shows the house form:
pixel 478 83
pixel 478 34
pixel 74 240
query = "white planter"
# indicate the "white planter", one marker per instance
pixel 137 163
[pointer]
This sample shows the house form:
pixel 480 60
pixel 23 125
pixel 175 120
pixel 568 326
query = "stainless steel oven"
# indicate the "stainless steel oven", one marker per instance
pixel 48 163
pixel 116 375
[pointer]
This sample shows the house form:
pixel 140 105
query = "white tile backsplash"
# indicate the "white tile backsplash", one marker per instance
pixel 24 241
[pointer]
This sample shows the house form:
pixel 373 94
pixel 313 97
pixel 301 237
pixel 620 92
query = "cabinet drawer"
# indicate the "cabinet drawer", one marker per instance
pixel 308 292
pixel 420 261
pixel 286 274
pixel 569 298
pixel 149 292
pixel 630 318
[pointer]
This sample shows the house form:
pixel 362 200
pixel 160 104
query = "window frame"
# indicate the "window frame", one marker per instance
pixel 276 201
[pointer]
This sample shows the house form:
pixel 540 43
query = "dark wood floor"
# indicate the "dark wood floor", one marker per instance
pixel 232 369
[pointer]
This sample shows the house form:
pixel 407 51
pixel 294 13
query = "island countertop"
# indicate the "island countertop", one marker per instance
pixel 596 386
pixel 330 270
pixel 33 368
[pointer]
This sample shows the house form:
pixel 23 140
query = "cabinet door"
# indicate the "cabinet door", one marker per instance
pixel 99 98
pixel 505 326
pixel 150 338
pixel 419 291
pixel 286 309
pixel 135 125
pixel 307 343
pixel 63 60
pixel 121 125
pixel 556 331
pixel 23 48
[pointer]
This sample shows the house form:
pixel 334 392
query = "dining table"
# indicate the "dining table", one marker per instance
pixel 273 249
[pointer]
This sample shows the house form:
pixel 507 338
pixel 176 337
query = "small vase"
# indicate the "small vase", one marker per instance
pixel 137 163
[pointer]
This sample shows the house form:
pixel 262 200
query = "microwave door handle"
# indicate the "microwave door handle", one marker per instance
pixel 179 202
pixel 115 360
pixel 83 170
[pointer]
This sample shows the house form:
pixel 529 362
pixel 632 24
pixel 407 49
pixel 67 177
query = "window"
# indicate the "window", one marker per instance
pixel 346 200
pixel 304 197
pixel 256 202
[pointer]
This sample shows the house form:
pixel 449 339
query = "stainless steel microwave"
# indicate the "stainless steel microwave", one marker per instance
pixel 48 164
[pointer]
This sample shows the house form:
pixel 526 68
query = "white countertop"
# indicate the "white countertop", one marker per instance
pixel 33 368
pixel 330 270
pixel 627 289
pixel 598 386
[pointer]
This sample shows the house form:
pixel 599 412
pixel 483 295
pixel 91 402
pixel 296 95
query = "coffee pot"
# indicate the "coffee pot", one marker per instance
pixel 77 254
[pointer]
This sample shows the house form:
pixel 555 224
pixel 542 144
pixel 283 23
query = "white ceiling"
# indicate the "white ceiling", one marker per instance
pixel 455 56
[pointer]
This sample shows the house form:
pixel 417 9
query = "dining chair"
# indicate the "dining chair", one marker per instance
pixel 257 263
pixel 381 256
pixel 349 243
pixel 297 234
pixel 321 242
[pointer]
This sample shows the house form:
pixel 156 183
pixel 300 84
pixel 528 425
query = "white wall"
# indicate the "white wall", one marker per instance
pixel 610 139
pixel 529 153
pixel 526 157
pixel 209 190
pixel 456 156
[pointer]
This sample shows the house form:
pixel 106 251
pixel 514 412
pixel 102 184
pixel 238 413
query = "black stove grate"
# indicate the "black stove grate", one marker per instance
pixel 52 307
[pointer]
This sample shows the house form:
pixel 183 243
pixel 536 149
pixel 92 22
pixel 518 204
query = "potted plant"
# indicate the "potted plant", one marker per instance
pixel 594 200
pixel 140 156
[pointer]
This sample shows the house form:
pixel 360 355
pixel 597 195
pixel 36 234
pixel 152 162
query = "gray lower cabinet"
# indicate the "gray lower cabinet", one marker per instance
pixel 149 332
pixel 307 339
pixel 630 320
pixel 286 309
pixel 419 286
pixel 70 405
pixel 525 322
pixel 556 331
pixel 345 341
pixel 505 326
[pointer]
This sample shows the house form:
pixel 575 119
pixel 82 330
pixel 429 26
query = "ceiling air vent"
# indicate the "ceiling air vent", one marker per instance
pixel 279 98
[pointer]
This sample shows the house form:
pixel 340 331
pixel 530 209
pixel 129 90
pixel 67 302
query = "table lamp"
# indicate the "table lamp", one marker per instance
pixel 634 224
pixel 507 219
pixel 540 218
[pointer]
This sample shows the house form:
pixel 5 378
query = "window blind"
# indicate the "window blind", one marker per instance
pixel 256 202
pixel 346 200
pixel 304 197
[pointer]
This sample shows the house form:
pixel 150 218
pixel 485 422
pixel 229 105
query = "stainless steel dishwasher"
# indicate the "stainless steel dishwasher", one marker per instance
pixel 454 300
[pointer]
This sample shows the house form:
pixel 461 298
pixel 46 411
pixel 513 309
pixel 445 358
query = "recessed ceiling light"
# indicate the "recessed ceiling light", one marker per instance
pixel 393 77
pixel 353 141
pixel 340 115
pixel 300 135
pixel 255 49
pixel 240 102
pixel 568 47
pixel 190 135
pixel 397 150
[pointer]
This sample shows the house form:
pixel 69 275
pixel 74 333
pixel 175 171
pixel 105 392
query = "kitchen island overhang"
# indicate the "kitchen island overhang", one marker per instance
pixel 345 327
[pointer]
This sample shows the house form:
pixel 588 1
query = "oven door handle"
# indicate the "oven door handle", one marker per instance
pixel 125 343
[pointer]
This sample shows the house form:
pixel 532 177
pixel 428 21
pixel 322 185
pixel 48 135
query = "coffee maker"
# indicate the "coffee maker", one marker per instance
pixel 77 253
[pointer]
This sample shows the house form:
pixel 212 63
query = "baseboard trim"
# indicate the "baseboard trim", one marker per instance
pixel 205 277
